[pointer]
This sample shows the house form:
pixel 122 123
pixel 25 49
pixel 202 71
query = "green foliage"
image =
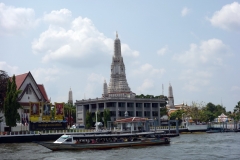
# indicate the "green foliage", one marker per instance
pixel 68 108
pixel 163 111
pixel 204 113
pixel 106 116
pixel 99 117
pixel 3 87
pixel 177 115
pixel 154 97
pixel 151 96
pixel 89 120
pixel 236 112
pixel 212 111
pixel 11 104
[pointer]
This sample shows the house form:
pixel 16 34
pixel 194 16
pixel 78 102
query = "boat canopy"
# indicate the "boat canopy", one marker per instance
pixel 112 135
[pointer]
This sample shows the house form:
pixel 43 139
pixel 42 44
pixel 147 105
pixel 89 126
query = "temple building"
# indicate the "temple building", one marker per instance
pixel 70 98
pixel 170 104
pixel 118 97
pixel 32 99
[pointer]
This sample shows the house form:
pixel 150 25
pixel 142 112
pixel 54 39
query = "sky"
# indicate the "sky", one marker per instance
pixel 192 45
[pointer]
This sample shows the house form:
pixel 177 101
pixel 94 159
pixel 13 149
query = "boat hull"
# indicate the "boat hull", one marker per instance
pixel 197 128
pixel 102 146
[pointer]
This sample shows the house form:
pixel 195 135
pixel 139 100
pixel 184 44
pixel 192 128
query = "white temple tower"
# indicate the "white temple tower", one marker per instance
pixel 118 86
pixel 105 89
pixel 170 97
pixel 70 98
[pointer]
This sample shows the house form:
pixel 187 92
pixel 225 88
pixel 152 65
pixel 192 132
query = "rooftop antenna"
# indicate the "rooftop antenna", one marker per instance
pixel 162 89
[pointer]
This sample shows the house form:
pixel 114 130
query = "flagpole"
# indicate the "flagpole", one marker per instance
pixel 70 118
pixel 21 121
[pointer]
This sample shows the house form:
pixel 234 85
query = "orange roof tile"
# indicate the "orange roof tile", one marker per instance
pixel 43 91
pixel 20 79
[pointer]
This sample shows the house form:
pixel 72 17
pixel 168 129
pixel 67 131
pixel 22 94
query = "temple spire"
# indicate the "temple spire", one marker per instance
pixel 117 86
pixel 70 98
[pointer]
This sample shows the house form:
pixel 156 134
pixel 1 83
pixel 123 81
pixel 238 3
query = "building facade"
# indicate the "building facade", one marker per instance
pixel 118 97
pixel 32 99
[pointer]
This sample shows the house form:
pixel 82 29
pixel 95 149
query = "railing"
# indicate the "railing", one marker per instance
pixel 47 132
pixel 166 127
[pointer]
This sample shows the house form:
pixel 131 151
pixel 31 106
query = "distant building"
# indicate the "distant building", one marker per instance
pixel 170 104
pixel 33 95
pixel 118 97
pixel 70 98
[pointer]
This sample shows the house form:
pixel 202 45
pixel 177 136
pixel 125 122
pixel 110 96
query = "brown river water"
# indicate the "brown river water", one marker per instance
pixel 200 146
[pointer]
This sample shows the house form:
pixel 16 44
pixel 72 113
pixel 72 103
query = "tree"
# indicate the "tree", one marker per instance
pixel 236 111
pixel 3 87
pixel 106 116
pixel 212 111
pixel 177 115
pixel 11 104
pixel 69 108
pixel 89 120
pixel 163 111
pixel 99 117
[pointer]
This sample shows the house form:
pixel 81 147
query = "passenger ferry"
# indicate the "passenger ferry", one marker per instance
pixel 105 141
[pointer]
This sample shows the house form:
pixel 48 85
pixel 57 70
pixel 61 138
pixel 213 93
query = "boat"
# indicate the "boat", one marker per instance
pixel 214 130
pixel 193 127
pixel 105 141
pixel 197 127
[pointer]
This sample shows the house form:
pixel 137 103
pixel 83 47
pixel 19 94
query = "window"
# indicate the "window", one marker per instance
pixel 69 140
pixel 80 108
pixel 29 90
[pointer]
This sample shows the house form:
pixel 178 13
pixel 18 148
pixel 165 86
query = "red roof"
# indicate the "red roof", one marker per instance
pixel 20 79
pixel 131 119
pixel 43 91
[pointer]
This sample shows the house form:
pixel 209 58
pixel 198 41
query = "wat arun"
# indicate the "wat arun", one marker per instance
pixel 118 86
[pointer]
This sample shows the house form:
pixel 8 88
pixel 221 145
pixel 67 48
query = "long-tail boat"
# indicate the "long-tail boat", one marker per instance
pixel 105 141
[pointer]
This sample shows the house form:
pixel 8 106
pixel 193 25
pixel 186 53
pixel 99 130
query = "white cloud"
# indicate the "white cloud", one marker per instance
pixel 76 44
pixel 194 80
pixel 228 17
pixel 44 75
pixel 58 17
pixel 146 86
pixel 149 70
pixel 8 68
pixel 93 81
pixel 163 51
pixel 235 88
pixel 127 52
pixel 185 11
pixel 95 78
pixel 15 20
pixel 208 52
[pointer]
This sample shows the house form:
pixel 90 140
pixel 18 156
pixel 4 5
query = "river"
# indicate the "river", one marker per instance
pixel 186 146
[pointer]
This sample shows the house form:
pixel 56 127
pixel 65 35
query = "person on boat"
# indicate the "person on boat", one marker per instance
pixel 93 141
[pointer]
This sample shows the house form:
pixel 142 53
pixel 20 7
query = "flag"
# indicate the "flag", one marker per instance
pixel 26 119
pixel 22 119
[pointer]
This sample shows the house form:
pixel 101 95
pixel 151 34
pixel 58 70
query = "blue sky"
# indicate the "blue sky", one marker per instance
pixel 194 45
